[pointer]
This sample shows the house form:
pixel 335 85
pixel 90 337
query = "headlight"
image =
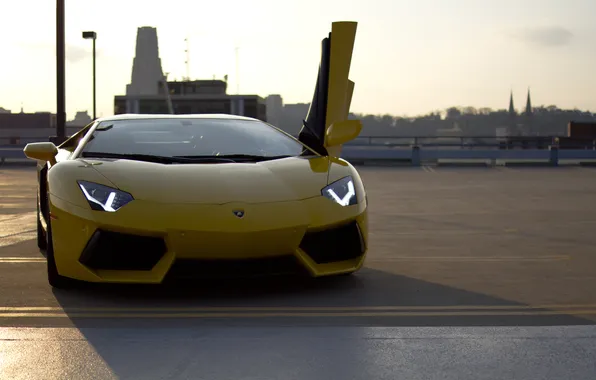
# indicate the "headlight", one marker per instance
pixel 104 198
pixel 341 191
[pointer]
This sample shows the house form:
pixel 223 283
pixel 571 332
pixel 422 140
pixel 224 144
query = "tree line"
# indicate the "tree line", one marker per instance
pixel 470 121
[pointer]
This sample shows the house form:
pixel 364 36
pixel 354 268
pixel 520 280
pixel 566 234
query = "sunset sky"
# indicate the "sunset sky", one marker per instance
pixel 410 57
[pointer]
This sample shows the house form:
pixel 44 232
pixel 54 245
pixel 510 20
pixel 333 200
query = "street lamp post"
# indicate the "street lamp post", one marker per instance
pixel 60 80
pixel 92 36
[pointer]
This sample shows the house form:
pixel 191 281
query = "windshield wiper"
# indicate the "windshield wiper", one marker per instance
pixel 235 157
pixel 154 158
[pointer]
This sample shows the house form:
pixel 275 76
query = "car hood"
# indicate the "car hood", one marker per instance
pixel 280 180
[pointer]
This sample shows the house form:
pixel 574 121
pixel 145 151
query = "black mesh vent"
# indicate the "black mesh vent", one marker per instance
pixel 118 251
pixel 191 269
pixel 337 244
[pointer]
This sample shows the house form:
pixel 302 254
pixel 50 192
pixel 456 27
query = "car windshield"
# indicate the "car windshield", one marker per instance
pixel 190 137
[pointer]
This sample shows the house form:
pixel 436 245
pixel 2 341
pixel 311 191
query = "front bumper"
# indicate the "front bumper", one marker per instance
pixel 145 241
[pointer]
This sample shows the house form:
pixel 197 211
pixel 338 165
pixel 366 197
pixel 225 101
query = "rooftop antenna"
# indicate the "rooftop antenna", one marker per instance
pixel 167 93
pixel 187 62
pixel 237 72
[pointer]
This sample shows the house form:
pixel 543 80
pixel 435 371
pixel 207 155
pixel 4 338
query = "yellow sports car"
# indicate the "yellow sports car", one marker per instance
pixel 133 198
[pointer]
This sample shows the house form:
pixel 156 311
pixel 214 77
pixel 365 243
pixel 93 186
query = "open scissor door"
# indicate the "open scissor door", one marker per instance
pixel 333 94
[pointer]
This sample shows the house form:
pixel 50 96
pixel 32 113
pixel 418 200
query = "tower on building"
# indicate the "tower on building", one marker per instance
pixel 146 69
pixel 528 116
pixel 512 116
pixel 511 107
pixel 149 92
pixel 528 105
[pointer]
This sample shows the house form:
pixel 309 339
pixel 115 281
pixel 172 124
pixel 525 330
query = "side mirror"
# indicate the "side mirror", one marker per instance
pixel 341 132
pixel 42 151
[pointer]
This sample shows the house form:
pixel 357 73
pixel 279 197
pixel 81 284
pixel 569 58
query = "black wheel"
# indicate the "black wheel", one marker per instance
pixel 41 235
pixel 54 278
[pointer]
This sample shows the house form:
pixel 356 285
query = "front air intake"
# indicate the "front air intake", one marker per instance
pixel 118 251
pixel 332 245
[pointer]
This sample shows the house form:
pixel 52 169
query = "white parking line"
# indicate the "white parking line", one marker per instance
pixel 21 260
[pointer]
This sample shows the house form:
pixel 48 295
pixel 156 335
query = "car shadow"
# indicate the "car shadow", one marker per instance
pixel 370 297
pixel 152 346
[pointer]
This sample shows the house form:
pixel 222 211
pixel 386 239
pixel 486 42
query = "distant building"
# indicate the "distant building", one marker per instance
pixel 522 125
pixel 293 116
pixel 146 66
pixel 81 119
pixel 147 91
pixel 37 120
pixel 275 107
pixel 454 130
pixel 3 110
pixel 27 120
pixel 192 97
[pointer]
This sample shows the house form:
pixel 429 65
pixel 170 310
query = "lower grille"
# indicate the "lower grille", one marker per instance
pixel 117 251
pixel 337 244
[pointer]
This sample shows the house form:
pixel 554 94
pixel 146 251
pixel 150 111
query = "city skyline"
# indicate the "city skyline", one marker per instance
pixel 520 109
pixel 484 52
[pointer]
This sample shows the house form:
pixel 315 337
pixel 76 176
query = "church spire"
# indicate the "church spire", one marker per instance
pixel 511 107
pixel 528 104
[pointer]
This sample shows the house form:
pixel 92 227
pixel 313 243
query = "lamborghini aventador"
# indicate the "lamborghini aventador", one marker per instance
pixel 133 198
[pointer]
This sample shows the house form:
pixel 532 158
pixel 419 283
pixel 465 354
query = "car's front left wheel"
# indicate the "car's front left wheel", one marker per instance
pixel 54 278
pixel 41 235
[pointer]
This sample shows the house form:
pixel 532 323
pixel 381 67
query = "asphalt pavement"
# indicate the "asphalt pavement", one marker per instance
pixel 472 273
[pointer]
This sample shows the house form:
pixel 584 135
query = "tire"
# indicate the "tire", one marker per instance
pixel 42 243
pixel 54 278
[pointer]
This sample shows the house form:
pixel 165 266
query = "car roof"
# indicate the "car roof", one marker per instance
pixel 130 116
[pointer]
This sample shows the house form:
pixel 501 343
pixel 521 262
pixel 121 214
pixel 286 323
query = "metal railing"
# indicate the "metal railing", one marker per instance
pixel 416 149
pixel 534 142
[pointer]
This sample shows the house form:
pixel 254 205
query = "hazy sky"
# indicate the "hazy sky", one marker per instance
pixel 410 57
